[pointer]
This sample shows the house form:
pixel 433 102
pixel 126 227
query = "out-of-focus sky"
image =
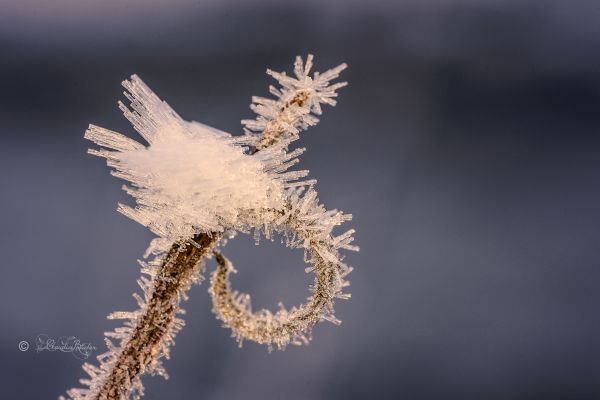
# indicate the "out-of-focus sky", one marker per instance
pixel 466 146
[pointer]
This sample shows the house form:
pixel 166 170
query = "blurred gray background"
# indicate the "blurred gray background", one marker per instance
pixel 466 146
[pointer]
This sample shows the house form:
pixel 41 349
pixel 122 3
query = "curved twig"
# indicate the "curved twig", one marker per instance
pixel 313 233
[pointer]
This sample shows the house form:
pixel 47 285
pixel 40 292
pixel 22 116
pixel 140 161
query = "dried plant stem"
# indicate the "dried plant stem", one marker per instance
pixel 288 115
pixel 263 327
pixel 307 225
pixel 147 333
pixel 176 274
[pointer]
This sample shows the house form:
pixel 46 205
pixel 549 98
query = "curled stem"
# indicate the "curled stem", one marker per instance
pixel 263 327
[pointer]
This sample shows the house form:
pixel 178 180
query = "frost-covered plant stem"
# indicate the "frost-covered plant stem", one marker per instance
pixel 178 271
pixel 290 112
pixel 307 224
pixel 192 185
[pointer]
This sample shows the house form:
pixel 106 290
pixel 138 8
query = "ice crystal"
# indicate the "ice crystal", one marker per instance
pixel 193 186
pixel 191 178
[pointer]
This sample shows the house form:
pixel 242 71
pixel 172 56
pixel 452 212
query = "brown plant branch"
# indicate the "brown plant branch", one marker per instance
pixel 182 262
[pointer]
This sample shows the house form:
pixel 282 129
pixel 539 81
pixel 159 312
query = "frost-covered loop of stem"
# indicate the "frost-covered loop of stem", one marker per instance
pixel 304 224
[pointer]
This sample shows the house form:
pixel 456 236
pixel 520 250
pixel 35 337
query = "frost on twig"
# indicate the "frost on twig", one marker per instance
pixel 305 224
pixel 147 333
pixel 192 184
pixel 296 103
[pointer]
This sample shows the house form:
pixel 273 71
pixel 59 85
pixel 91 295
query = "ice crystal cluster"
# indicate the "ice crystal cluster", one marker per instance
pixel 191 178
pixel 193 186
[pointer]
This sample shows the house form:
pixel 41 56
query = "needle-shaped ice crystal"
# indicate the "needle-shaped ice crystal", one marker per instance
pixel 190 178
